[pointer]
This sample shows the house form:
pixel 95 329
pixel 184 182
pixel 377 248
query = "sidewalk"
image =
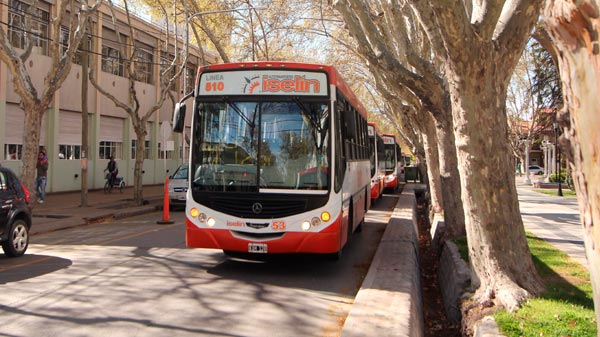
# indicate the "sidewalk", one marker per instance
pixel 553 219
pixel 62 210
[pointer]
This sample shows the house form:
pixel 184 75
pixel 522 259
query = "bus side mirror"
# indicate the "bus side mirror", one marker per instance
pixel 179 117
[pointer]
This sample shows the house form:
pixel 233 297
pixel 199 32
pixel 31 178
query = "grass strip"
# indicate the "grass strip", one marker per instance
pixel 567 307
pixel 566 193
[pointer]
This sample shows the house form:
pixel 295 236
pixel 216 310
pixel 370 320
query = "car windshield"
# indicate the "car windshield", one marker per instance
pixel 181 173
pixel 251 146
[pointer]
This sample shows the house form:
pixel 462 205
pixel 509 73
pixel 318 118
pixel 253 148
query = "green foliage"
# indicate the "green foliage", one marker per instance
pixel 554 177
pixel 565 192
pixel 546 80
pixel 566 309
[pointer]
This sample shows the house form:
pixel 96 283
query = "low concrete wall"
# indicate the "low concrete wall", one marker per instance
pixel 389 300
pixel 454 277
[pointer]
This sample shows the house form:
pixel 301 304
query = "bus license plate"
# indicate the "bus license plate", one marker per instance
pixel 257 248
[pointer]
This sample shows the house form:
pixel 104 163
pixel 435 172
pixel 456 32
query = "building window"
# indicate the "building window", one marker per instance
pixel 161 153
pixel 112 62
pixel 189 79
pixel 165 63
pixel 184 152
pixel 108 149
pixel 39 27
pixel 69 152
pixel 13 151
pixel 64 42
pixel 143 65
pixel 146 149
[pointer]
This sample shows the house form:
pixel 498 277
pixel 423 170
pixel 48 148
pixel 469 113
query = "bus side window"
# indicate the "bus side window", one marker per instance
pixel 350 124
pixel 340 144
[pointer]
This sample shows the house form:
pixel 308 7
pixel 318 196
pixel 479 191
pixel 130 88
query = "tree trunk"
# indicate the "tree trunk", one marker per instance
pixel 500 258
pixel 454 215
pixel 138 176
pixel 433 165
pixel 31 141
pixel 574 27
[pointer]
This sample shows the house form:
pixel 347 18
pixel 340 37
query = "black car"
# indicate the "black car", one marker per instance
pixel 15 214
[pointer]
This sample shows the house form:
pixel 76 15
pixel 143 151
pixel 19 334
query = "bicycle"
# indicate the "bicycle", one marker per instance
pixel 118 182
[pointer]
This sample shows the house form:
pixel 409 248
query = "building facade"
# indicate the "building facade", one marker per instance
pixel 110 128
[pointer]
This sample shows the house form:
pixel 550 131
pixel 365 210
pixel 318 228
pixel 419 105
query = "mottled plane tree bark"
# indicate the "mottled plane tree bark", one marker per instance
pixel 393 45
pixel 477 45
pixel 36 101
pixel 406 107
pixel 480 43
pixel 575 29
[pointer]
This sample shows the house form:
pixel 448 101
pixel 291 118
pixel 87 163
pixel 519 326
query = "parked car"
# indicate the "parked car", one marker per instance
pixel 178 186
pixel 15 214
pixel 536 169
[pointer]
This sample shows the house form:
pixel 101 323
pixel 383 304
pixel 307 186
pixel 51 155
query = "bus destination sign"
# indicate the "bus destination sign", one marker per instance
pixel 388 140
pixel 264 82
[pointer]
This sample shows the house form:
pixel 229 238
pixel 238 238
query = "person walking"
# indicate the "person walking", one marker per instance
pixel 42 176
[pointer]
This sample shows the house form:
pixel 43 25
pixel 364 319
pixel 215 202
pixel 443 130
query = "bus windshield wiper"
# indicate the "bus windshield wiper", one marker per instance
pixel 311 116
pixel 239 112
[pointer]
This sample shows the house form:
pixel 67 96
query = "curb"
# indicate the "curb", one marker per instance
pixel 120 215
pixel 388 302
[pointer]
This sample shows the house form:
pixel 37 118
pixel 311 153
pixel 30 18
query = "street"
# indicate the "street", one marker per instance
pixel 134 277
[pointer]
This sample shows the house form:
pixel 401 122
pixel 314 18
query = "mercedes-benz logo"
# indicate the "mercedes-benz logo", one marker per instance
pixel 257 208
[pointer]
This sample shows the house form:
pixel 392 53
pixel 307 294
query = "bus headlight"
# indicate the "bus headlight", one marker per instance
pixel 194 212
pixel 315 222
pixel 210 222
pixel 201 217
pixel 325 216
pixel 305 226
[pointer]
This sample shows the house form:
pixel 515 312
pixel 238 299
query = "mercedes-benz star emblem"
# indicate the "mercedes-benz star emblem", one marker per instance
pixel 257 208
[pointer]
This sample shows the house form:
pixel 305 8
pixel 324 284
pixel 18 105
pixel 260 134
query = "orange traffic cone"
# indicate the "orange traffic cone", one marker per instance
pixel 166 217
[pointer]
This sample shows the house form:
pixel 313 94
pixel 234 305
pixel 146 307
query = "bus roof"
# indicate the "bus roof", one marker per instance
pixel 334 76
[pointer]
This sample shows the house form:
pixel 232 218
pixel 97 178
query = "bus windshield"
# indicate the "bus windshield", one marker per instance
pixel 249 146
pixel 390 158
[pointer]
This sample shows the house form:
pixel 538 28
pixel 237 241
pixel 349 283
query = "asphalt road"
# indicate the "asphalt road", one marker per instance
pixel 135 278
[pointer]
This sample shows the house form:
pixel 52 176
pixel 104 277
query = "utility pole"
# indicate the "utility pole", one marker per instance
pixel 84 117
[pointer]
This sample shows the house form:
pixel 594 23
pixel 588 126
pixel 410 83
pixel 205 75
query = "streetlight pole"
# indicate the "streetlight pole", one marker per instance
pixel 556 130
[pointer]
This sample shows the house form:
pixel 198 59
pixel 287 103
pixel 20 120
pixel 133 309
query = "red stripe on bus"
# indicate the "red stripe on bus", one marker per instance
pixel 326 241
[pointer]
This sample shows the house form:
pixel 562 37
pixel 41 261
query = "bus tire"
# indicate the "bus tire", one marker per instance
pixel 359 228
pixel 335 256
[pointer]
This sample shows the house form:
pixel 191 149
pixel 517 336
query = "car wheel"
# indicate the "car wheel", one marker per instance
pixel 18 239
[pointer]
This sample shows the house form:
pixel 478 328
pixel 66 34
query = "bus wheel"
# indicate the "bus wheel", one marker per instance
pixel 335 256
pixel 359 228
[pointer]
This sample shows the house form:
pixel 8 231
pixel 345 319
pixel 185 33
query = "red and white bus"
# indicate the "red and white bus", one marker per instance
pixel 279 159
pixel 377 159
pixel 392 153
